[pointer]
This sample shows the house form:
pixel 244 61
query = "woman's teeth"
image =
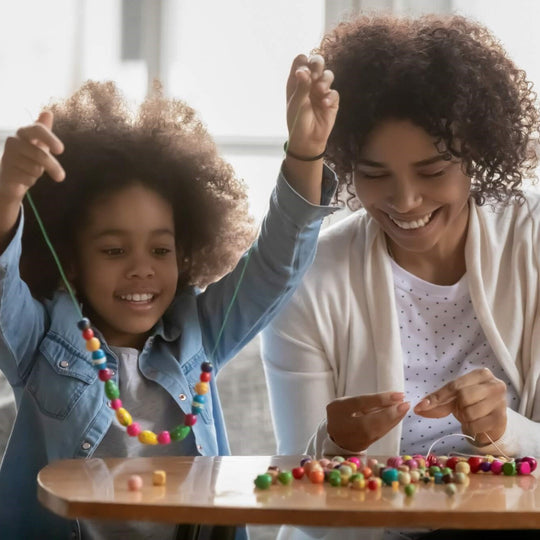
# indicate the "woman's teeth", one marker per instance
pixel 145 297
pixel 416 224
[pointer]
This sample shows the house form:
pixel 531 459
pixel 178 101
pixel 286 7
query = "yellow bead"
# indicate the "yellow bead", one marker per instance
pixel 124 417
pixel 93 344
pixel 159 478
pixel 148 437
pixel 201 388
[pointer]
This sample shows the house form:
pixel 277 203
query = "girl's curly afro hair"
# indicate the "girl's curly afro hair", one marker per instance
pixel 166 148
pixel 449 76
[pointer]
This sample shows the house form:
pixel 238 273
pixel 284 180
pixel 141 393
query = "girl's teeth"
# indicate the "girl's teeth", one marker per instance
pixel 416 224
pixel 137 297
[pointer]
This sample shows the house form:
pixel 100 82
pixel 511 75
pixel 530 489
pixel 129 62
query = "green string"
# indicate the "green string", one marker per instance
pixel 55 256
pixel 72 294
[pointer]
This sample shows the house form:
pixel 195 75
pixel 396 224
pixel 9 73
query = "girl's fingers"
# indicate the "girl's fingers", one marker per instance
pixel 316 65
pixel 39 135
pixel 37 160
pixel 298 62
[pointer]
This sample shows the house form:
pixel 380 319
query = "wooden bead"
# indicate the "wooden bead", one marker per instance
pixel 123 417
pixel 159 478
pixel 93 344
pixel 148 437
pixel 135 483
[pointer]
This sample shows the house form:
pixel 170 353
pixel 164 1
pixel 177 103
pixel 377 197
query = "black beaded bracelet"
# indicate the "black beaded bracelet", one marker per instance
pixel 302 158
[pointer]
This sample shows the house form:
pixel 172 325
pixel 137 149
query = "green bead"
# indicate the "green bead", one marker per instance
pixel 111 390
pixel 285 478
pixel 263 481
pixel 509 468
pixel 410 490
pixel 179 433
pixel 334 479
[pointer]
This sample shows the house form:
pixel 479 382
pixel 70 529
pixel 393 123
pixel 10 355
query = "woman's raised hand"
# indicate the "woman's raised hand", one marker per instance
pixel 354 423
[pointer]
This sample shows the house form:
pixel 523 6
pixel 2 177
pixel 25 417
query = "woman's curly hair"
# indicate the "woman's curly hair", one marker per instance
pixel 166 148
pixel 449 76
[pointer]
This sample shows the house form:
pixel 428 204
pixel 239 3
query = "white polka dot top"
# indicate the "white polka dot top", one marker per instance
pixel 441 340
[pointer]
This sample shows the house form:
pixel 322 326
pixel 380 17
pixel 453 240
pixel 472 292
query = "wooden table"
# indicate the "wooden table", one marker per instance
pixel 220 490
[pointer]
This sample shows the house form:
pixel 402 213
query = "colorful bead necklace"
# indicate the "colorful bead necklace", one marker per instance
pixel 99 361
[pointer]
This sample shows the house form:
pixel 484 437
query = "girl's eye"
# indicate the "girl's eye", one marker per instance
pixel 162 251
pixel 112 252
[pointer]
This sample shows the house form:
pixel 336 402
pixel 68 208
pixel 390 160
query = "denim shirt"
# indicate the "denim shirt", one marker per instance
pixel 62 411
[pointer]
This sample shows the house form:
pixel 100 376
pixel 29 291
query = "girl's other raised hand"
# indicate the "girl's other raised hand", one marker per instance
pixel 27 155
pixel 354 423
pixel 312 105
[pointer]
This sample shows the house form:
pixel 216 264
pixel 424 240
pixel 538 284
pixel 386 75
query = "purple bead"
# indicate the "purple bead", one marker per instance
pixel 485 466
pixel 207 367
pixel 83 324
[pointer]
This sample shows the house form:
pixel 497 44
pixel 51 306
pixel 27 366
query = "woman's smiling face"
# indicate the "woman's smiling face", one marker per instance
pixel 417 194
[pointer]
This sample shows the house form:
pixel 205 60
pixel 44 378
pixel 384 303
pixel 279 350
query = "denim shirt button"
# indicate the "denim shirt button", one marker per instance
pixel 182 397
pixel 199 447
pixel 86 445
pixel 64 364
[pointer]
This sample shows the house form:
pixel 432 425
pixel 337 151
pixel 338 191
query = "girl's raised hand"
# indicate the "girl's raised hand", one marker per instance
pixel 312 105
pixel 477 400
pixel 27 155
pixel 354 423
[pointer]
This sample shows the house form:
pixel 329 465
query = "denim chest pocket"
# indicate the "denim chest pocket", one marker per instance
pixel 60 376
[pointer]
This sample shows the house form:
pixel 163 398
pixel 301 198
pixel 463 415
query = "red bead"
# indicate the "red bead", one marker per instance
pixel 298 472
pixel 475 463
pixel 451 462
pixel 88 334
pixel 205 376
pixel 133 429
pixel 164 437
pixel 105 374
pixel 116 404
pixel 190 420
pixel 431 460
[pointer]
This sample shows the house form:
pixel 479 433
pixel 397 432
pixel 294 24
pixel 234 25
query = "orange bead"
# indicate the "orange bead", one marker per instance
pixel 316 476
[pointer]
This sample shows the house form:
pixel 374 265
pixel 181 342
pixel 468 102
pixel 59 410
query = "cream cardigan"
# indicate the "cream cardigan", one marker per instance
pixel 339 335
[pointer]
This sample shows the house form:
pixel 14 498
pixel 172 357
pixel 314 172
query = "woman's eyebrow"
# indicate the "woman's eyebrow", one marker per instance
pixel 422 162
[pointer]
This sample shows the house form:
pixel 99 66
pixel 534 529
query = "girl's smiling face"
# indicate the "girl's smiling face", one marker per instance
pixel 418 195
pixel 127 269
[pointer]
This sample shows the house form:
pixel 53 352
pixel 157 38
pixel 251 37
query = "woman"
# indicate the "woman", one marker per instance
pixel 418 318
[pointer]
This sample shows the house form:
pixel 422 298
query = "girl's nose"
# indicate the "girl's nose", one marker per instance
pixel 141 267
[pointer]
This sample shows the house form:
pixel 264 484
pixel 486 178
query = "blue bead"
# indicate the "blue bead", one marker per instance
pixel 196 408
pixel 83 324
pixel 198 398
pixel 207 366
pixel 99 353
pixel 100 363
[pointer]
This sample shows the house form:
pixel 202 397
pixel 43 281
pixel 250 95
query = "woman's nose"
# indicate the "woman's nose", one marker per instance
pixel 405 195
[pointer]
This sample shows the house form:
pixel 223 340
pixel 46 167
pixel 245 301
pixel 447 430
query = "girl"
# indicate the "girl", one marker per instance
pixel 429 294
pixel 147 214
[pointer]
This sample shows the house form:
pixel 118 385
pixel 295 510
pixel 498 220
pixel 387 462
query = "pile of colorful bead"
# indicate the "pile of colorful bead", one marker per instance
pixel 406 471
pixel 133 429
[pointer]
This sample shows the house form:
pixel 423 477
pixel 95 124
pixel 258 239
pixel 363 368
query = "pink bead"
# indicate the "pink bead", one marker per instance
pixel 496 466
pixel 133 429
pixel 394 462
pixel 355 460
pixel 135 483
pixel 523 467
pixel 531 461
pixel 164 437
pixel 105 374
pixel 116 403
pixel 412 464
pixel 190 420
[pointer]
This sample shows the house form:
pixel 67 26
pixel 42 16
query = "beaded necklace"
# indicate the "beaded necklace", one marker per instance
pixel 99 361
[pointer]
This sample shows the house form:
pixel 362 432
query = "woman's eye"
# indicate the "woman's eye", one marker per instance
pixel 374 175
pixel 433 174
